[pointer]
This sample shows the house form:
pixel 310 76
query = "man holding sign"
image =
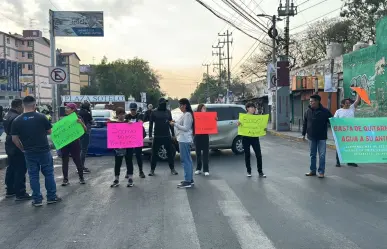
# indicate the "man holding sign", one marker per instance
pixel 251 127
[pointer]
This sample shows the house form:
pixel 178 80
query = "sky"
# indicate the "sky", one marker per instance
pixel 175 36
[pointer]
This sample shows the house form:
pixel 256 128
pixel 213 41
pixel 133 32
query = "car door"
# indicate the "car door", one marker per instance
pixel 225 125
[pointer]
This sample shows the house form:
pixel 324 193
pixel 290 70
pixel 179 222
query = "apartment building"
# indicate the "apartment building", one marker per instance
pixel 85 75
pixel 71 61
pixel 24 66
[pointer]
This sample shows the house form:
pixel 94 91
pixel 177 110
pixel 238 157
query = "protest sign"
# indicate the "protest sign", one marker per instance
pixel 252 125
pixel 66 131
pixel 124 135
pixel 360 140
pixel 205 123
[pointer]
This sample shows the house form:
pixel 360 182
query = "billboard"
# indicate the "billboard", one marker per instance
pixel 78 23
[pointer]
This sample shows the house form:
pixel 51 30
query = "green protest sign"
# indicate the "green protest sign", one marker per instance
pixel 252 125
pixel 360 140
pixel 66 131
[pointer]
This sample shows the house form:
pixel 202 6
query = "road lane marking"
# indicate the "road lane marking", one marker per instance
pixel 57 165
pixel 179 224
pixel 250 234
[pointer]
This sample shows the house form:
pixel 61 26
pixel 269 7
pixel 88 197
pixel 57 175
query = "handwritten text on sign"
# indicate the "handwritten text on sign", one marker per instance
pixel 360 140
pixel 252 125
pixel 205 123
pixel 124 135
pixel 66 131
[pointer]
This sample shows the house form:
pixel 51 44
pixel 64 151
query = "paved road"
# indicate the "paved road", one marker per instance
pixel 346 210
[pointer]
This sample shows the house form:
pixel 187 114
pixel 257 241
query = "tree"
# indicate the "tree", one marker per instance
pixel 89 90
pixel 364 15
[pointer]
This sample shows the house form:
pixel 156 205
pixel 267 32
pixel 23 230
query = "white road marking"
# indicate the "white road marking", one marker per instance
pixel 250 234
pixel 179 224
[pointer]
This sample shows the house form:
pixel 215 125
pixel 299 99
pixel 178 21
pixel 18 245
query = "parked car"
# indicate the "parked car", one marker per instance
pixel 227 137
pixel 102 117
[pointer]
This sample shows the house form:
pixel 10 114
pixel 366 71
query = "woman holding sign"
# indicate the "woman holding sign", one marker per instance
pixel 184 135
pixel 202 144
pixel 74 148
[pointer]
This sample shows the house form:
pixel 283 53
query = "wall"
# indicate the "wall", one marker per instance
pixel 42 62
pixel 75 86
pixel 84 80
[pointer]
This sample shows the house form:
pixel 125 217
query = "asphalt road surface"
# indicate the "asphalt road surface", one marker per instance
pixel 227 210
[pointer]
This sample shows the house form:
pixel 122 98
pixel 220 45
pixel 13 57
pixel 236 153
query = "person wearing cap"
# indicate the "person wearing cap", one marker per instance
pixel 73 148
pixel 85 114
pixel 163 133
pixel 134 117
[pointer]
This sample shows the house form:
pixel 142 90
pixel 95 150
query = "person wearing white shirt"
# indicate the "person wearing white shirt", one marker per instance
pixel 184 135
pixel 347 110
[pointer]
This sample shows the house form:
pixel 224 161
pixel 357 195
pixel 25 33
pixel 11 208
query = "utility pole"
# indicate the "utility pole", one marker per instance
pixel 227 42
pixel 219 53
pixel 207 82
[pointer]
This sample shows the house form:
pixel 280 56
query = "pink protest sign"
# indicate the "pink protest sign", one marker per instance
pixel 124 135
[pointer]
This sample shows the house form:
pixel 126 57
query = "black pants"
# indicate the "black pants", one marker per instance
pixel 85 140
pixel 74 148
pixel 253 142
pixel 15 177
pixel 129 161
pixel 202 147
pixel 157 143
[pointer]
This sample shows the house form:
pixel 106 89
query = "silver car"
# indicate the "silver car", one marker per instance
pixel 227 137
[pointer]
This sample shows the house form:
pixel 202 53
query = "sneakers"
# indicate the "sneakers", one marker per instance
pixel 206 173
pixel 82 181
pixel 130 183
pixel 321 175
pixel 55 200
pixel 151 173
pixel 262 175
pixel 115 184
pixel 142 175
pixel 198 172
pixel 37 203
pixel 174 172
pixel 25 197
pixel 352 164
pixel 184 184
pixel 86 171
pixel 248 174
pixel 338 165
pixel 10 195
pixel 311 174
pixel 65 182
pixel 192 182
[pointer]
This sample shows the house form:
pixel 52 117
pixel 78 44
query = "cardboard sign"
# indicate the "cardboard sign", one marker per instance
pixel 252 125
pixel 66 131
pixel 206 123
pixel 124 135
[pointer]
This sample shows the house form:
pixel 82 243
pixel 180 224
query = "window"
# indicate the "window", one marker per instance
pixel 224 114
pixel 23 43
pixel 30 55
pixel 8 51
pixel 235 112
pixel 29 66
pixel 23 54
pixel 30 43
pixel 16 43
pixel 8 40
pixel 10 97
pixel 24 66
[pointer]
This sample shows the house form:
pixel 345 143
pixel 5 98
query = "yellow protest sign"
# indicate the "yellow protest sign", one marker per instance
pixel 252 125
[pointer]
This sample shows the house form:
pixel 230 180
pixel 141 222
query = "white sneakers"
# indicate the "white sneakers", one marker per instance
pixel 198 172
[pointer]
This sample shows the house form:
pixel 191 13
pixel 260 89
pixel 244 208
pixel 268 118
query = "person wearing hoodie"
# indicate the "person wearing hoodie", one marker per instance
pixel 85 114
pixel 315 126
pixel 163 133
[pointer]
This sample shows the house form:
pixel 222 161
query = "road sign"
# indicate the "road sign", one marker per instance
pixel 58 75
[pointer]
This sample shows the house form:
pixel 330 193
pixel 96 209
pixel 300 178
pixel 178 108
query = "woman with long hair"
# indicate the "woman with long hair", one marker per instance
pixel 202 147
pixel 184 133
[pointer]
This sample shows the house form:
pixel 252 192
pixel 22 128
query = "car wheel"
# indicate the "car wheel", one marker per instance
pixel 162 153
pixel 237 146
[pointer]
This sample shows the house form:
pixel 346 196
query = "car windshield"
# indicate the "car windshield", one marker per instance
pixel 100 113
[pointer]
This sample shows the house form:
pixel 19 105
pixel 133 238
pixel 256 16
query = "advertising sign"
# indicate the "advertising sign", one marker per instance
pixel 78 23
pixel 9 72
pixel 14 76
pixel 26 79
pixel 93 98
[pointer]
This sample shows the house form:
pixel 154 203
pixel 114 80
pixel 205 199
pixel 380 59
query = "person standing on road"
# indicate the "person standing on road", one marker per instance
pixel 148 113
pixel 161 119
pixel 254 143
pixel 202 148
pixel 347 110
pixel 15 177
pixel 184 134
pixel 85 114
pixel 134 117
pixel 315 126
pixel 29 133
pixel 73 148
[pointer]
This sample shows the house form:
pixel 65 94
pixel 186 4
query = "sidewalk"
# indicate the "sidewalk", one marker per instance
pixel 296 135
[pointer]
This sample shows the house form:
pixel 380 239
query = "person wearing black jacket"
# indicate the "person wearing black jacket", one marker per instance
pixel 134 117
pixel 15 177
pixel 315 126
pixel 161 118
pixel 85 114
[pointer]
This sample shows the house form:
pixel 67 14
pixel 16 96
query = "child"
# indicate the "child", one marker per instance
pixel 253 142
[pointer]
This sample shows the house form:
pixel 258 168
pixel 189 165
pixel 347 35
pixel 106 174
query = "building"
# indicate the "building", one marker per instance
pixel 71 61
pixel 85 75
pixel 24 66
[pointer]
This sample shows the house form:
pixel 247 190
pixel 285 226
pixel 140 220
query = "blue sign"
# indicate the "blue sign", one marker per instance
pixel 9 73
pixel 78 23
pixel 14 76
pixel 19 73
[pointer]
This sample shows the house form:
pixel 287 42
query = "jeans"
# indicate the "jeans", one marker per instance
pixel 85 140
pixel 321 146
pixel 36 162
pixel 254 143
pixel 202 143
pixel 15 177
pixel 74 148
pixel 186 161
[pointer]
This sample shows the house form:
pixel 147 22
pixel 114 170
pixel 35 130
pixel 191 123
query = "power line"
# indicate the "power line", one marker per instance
pixel 313 6
pixel 315 19
pixel 53 5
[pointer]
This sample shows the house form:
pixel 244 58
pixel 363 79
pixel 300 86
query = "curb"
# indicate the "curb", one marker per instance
pixel 297 139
